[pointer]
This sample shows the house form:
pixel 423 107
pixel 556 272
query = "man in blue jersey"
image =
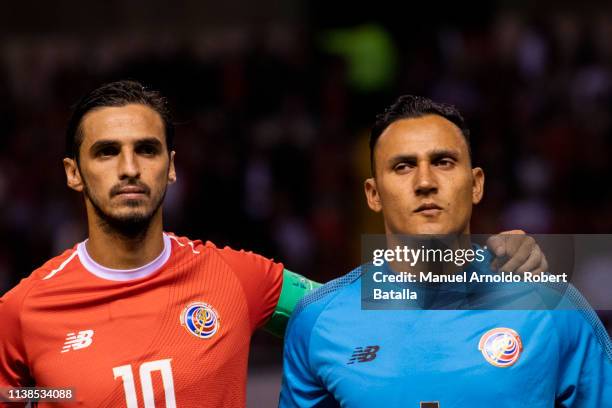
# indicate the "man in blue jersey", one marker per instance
pixel 338 354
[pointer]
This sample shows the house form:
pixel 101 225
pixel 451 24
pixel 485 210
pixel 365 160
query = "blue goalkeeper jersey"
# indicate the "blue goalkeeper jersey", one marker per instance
pixel 337 354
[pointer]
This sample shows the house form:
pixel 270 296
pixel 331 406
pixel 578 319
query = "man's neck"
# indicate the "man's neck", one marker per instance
pixel 116 251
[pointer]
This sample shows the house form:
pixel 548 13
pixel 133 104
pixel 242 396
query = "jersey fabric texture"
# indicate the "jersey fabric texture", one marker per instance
pixel 175 332
pixel 337 354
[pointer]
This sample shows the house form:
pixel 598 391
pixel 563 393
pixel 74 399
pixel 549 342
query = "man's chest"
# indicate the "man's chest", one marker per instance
pixel 454 358
pixel 163 345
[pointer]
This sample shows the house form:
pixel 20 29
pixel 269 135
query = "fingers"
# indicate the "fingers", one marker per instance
pixel 520 249
pixel 498 243
pixel 544 263
pixel 532 262
pixel 543 267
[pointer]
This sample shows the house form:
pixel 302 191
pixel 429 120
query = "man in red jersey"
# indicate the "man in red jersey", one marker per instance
pixel 134 316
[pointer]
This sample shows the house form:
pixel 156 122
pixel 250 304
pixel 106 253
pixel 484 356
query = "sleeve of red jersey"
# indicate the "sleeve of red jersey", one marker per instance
pixel 261 279
pixel 13 362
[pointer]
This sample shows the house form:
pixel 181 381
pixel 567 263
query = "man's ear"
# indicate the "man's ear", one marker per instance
pixel 73 175
pixel 478 179
pixel 372 196
pixel 171 169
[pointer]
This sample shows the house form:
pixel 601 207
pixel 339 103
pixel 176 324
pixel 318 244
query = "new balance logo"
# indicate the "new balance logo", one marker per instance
pixel 363 355
pixel 78 341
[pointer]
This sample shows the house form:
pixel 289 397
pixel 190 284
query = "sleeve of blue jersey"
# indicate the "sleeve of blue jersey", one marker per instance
pixel 586 356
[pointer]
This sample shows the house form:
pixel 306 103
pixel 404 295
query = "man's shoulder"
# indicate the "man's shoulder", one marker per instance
pixel 313 304
pixel 197 246
pixel 188 243
pixel 183 245
pixel 44 272
pixel 239 260
pixel 55 264
pixel 575 318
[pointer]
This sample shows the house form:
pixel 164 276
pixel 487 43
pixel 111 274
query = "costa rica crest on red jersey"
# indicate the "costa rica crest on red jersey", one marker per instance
pixel 200 319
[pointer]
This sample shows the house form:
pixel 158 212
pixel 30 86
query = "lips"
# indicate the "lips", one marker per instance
pixel 130 190
pixel 428 208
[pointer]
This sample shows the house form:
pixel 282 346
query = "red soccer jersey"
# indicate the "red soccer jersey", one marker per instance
pixel 175 332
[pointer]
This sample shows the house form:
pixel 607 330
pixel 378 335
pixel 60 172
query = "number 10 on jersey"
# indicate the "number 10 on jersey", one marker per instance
pixel 146 384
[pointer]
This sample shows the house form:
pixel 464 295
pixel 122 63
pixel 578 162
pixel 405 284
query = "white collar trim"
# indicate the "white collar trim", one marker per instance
pixel 124 274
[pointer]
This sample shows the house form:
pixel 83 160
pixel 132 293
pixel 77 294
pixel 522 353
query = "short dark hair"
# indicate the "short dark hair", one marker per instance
pixel 410 106
pixel 116 94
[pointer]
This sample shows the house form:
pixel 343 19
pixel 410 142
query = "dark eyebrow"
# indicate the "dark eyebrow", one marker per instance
pixel 152 141
pixel 443 153
pixel 104 143
pixel 433 155
pixel 401 158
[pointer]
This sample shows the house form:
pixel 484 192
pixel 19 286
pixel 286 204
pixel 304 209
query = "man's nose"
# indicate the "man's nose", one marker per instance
pixel 128 165
pixel 425 181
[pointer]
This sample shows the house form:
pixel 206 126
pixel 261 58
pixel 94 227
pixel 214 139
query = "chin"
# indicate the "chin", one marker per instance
pixel 433 231
pixel 428 229
pixel 133 216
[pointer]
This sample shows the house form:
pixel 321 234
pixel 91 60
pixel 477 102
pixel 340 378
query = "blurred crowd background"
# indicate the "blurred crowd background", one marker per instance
pixel 273 101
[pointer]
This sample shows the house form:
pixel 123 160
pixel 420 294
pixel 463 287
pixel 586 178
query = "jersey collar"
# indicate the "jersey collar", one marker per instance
pixel 123 274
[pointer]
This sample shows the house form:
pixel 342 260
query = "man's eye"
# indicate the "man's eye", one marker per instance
pixel 402 167
pixel 147 150
pixel 107 151
pixel 445 163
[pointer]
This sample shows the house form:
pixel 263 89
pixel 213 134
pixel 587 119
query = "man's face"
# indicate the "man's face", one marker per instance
pixel 124 167
pixel 424 181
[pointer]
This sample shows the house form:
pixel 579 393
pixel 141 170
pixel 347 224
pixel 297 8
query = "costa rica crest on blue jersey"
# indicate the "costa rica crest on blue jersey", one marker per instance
pixel 501 347
pixel 200 319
